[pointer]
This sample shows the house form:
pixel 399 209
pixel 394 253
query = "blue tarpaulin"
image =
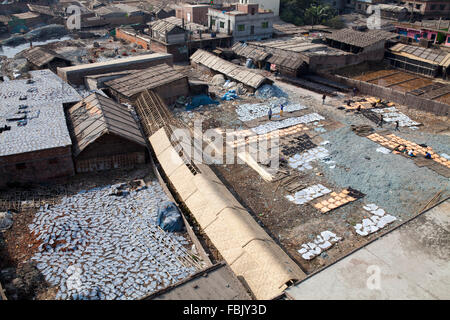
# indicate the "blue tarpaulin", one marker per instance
pixel 230 95
pixel 200 100
pixel 169 218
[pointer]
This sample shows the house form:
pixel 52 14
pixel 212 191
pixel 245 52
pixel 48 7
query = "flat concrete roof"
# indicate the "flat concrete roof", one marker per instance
pixel 217 282
pixel 152 56
pixel 414 263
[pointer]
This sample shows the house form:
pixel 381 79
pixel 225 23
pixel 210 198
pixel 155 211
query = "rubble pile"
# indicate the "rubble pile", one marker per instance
pixel 275 125
pixel 378 220
pixel 268 91
pixel 322 242
pixel 104 244
pixel 310 193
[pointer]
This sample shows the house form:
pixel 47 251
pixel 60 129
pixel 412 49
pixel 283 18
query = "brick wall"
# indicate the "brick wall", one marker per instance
pixel 36 167
pixel 197 14
pixel 132 39
pixel 406 99
pixel 110 152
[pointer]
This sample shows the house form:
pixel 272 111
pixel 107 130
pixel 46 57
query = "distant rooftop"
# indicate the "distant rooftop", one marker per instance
pixel 40 56
pixel 432 56
pixel 26 15
pixel 300 44
pixel 42 105
pixel 122 61
pixel 359 38
pixel 168 24
pixel 141 80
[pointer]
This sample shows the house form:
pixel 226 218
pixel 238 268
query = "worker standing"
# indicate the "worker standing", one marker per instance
pixel 281 110
pixel 270 114
pixel 397 124
pixel 380 124
pixel 323 99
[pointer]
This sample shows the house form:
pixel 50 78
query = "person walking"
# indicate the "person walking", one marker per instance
pixel 270 114
pixel 281 110
pixel 397 124
pixel 380 124
pixel 323 99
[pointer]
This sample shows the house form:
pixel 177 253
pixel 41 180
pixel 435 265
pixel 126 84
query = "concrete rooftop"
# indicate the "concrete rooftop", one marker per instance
pixel 413 261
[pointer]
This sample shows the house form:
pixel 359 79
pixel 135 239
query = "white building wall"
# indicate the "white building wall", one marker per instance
pixel 273 5
pixel 256 20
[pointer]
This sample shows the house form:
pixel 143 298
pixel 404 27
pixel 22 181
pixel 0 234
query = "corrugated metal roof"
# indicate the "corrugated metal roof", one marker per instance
pixel 40 56
pixel 145 79
pixel 97 115
pixel 26 15
pixel 359 38
pixel 247 51
pixel 164 26
pixel 432 56
pixel 236 72
pixel 167 25
pixel 41 9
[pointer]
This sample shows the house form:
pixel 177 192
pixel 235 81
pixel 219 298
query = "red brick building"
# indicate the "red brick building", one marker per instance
pixel 197 13
pixel 131 36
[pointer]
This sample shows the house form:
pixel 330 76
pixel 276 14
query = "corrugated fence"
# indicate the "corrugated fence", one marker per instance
pixel 406 99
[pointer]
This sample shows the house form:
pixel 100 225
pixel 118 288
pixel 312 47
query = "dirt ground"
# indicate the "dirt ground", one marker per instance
pixel 291 225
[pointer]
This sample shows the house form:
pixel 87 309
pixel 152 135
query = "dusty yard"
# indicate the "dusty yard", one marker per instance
pixel 387 180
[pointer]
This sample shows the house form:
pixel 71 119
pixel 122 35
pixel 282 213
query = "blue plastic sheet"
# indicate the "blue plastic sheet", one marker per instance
pixel 230 95
pixel 200 100
pixel 169 218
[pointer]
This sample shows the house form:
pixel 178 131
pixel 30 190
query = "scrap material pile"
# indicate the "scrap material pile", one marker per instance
pixel 391 141
pixel 321 243
pixel 104 244
pixel 247 112
pixel 336 200
pixel 378 220
pixel 303 161
pixel 275 125
pixel 392 115
pixel 305 195
pixel 373 108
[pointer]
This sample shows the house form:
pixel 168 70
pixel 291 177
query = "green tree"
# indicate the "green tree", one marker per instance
pixel 301 12
pixel 317 14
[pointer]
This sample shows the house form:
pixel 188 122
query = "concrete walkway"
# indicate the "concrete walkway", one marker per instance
pixel 413 263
